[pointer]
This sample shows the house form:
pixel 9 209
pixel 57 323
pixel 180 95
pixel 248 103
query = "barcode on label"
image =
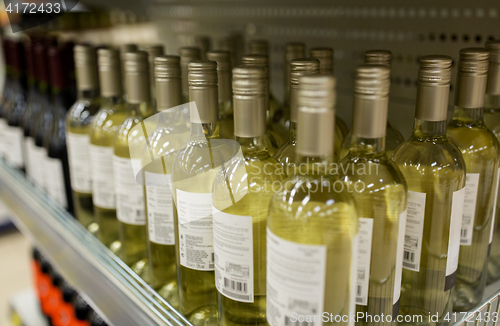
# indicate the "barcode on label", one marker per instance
pixel 358 292
pixel 463 236
pixel 289 322
pixel 409 259
pixel 235 286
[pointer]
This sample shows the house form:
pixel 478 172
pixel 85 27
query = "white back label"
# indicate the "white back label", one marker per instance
pixel 469 210
pixel 414 229
pixel 54 180
pixel 457 208
pixel 101 169
pixel 365 234
pixel 129 193
pixel 160 208
pixel 79 164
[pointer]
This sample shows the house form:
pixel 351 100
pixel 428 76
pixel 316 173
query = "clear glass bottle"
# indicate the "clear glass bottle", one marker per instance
pixel 193 172
pixel 32 107
pixel 127 152
pixel 226 122
pixel 281 119
pixel 260 60
pixel 102 133
pixel 286 153
pixel 14 107
pixel 242 192
pixel 480 149
pixel 492 121
pixel 56 169
pixel 78 120
pixel 380 197
pixel 169 136
pixel 434 170
pixel 393 137
pixel 325 57
pixel 312 223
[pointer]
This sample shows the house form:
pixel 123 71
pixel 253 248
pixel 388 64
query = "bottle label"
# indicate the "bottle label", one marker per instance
pixel 103 184
pixel 129 193
pixel 493 216
pixel 13 145
pixel 233 248
pixel 39 156
pixel 3 126
pixel 295 281
pixel 28 159
pixel 399 263
pixel 79 164
pixel 160 208
pixel 457 208
pixel 365 234
pixel 414 229
pixel 194 212
pixel 471 187
pixel 54 180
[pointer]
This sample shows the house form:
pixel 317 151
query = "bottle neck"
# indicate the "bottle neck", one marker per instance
pixel 360 145
pixel 292 132
pixel 87 94
pixel 140 110
pixel 205 130
pixel 314 165
pixel 251 144
pixel 423 128
pixel 61 97
pixel 468 115
pixel 111 101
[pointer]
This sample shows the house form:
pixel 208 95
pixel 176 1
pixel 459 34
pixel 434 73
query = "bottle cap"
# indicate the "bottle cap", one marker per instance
pixel 137 77
pixel 168 82
pixel 472 77
pixel 203 91
pixel 187 55
pixel 223 59
pixel 59 73
pixel 298 68
pixel 110 79
pixel 204 43
pixel 258 47
pixel 378 57
pixel 325 57
pixel 85 67
pixel 493 83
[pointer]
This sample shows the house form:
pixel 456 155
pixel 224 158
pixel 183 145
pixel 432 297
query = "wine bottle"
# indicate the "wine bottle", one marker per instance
pixel 7 91
pixel 187 55
pixel 169 136
pixel 325 57
pixel 127 163
pixel 434 170
pixel 32 107
pixel 312 223
pixel 78 120
pixel 261 60
pixel 102 132
pixel 492 121
pixel 43 118
pixel 259 47
pixel 393 137
pixel 193 171
pixel 153 51
pixel 380 197
pixel 14 107
pixel 124 49
pixel 480 149
pixel 286 153
pixel 242 192
pixel 55 166
pixel 204 43
pixel 226 123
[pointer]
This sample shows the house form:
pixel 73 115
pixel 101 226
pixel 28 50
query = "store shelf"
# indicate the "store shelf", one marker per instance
pixel 111 287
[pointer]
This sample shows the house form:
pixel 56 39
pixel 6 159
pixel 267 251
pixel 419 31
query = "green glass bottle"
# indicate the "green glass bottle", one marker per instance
pixel 102 133
pixel 380 197
pixel 226 123
pixel 127 166
pixel 242 192
pixel 78 121
pixel 492 121
pixel 312 223
pixel 480 149
pixel 286 153
pixel 434 170
pixel 169 136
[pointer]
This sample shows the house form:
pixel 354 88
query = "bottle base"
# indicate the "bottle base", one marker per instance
pixel 142 269
pixel 493 271
pixel 205 316
pixel 465 297
pixel 93 228
pixel 116 247
pixel 170 293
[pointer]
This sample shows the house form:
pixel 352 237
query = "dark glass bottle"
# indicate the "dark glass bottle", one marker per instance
pixel 7 91
pixel 56 167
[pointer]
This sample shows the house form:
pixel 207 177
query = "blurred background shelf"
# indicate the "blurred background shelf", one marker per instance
pixel 109 285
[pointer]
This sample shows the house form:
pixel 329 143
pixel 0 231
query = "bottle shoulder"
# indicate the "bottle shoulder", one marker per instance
pixel 81 113
pixel 473 140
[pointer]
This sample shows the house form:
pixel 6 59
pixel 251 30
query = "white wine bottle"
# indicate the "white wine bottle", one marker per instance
pixel 78 120
pixel 242 192
pixel 393 137
pixel 260 60
pixel 169 136
pixel 127 152
pixel 380 197
pixel 193 172
pixel 325 57
pixel 102 132
pixel 492 121
pixel 226 122
pixel 434 170
pixel 312 223
pixel 124 49
pixel 480 149
pixel 286 154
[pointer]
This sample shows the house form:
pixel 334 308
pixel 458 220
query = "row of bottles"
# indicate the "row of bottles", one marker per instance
pixel 60 303
pixel 239 210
